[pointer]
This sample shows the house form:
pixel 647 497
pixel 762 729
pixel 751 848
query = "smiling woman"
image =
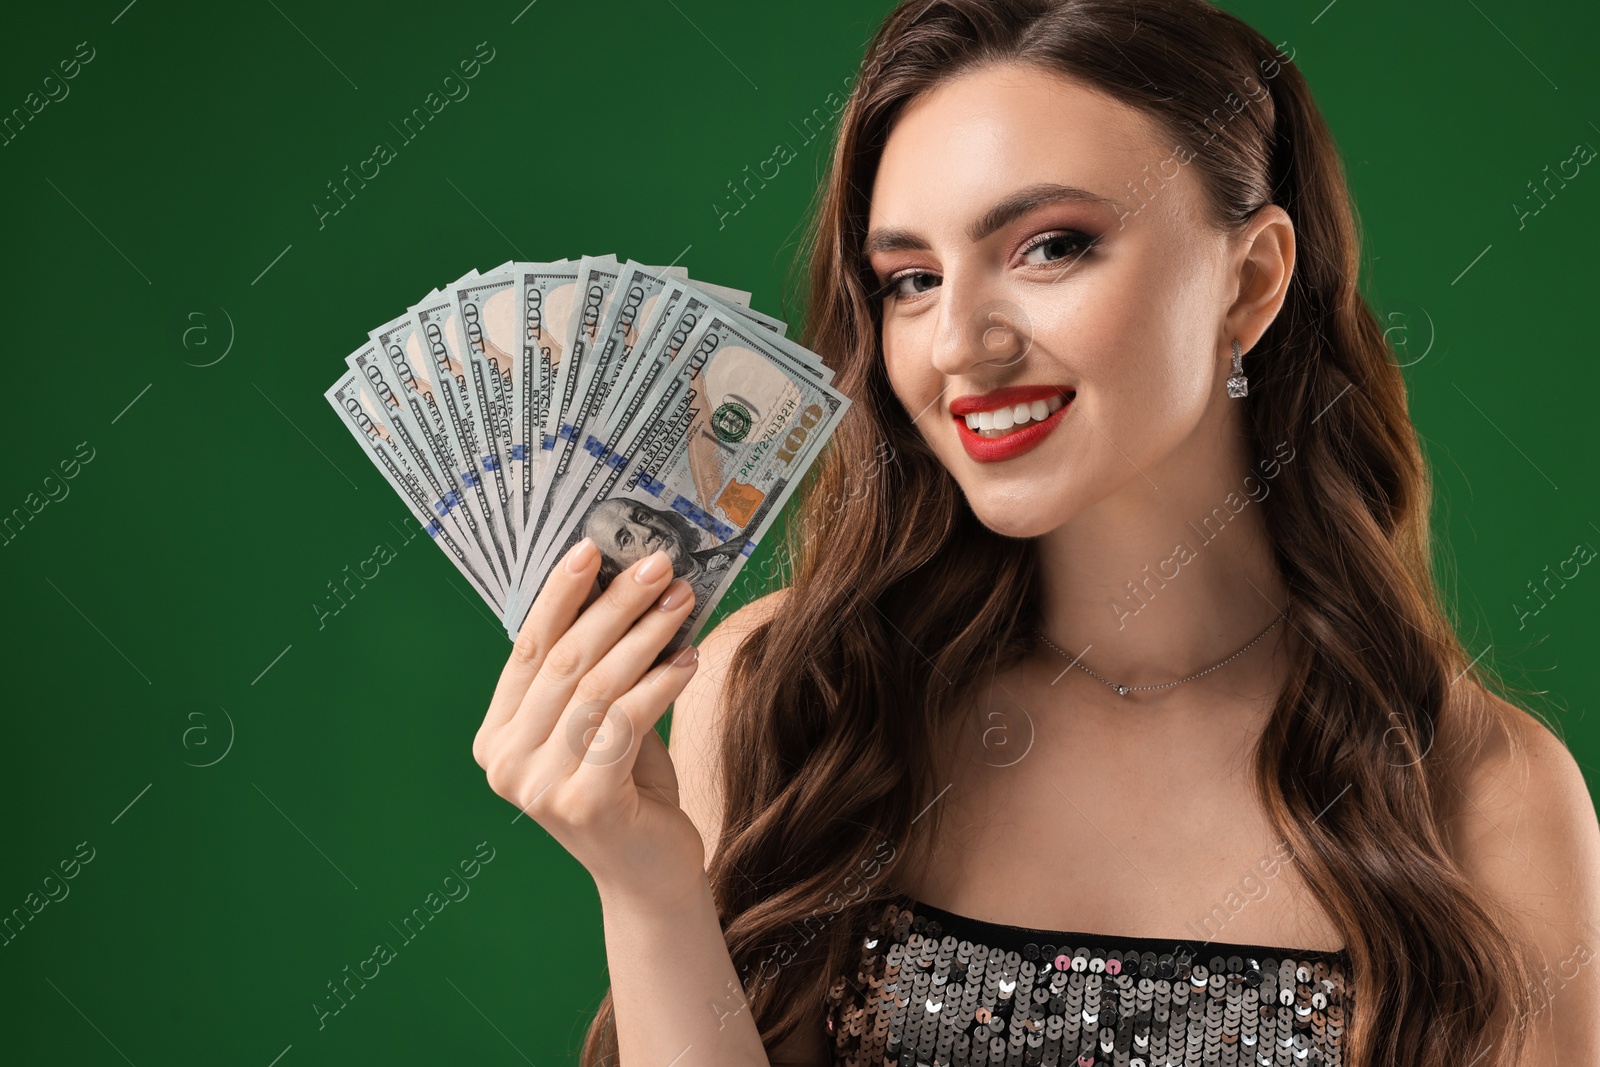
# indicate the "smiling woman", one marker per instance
pixel 1070 363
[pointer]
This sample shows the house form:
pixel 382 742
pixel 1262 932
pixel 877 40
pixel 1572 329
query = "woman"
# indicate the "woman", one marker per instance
pixel 1130 732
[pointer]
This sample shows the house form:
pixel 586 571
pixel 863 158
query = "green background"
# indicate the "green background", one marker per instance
pixel 145 609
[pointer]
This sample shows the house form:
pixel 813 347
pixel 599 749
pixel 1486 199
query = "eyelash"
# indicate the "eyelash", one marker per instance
pixel 1085 243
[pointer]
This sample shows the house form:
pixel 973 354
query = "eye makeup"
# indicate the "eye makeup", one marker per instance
pixel 1078 243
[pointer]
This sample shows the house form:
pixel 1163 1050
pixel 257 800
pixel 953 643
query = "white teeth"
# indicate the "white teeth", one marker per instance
pixel 997 422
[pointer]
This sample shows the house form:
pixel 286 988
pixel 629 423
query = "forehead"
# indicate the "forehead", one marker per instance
pixel 970 140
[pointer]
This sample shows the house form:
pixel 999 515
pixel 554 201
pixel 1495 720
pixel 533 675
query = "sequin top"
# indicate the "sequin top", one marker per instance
pixel 944 990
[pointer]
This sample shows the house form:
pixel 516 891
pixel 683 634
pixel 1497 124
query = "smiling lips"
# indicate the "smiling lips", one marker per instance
pixel 1008 422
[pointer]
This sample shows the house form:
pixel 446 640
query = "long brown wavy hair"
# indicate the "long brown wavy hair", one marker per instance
pixel 899 597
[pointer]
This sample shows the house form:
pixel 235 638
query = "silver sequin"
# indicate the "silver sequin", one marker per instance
pixel 925 996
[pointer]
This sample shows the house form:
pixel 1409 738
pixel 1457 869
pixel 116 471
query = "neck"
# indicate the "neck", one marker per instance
pixel 1151 586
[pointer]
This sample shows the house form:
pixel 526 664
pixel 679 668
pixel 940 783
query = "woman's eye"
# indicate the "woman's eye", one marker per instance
pixel 912 283
pixel 1055 247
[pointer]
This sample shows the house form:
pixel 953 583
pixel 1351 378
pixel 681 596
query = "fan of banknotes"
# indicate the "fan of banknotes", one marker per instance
pixel 518 411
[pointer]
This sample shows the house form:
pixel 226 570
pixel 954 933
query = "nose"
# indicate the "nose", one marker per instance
pixel 979 326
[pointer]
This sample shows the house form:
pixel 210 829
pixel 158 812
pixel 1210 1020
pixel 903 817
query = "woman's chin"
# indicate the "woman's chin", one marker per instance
pixel 1020 520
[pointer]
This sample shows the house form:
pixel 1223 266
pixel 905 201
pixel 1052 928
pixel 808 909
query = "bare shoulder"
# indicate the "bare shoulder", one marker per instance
pixel 693 740
pixel 1529 790
pixel 1524 829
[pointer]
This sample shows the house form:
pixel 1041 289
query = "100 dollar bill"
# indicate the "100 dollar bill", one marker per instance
pixel 486 311
pixel 409 421
pixel 709 465
pixel 545 294
pixel 368 421
pixel 444 340
pixel 597 279
pixel 673 314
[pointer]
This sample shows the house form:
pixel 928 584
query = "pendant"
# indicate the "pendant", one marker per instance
pixel 1122 690
pixel 1238 387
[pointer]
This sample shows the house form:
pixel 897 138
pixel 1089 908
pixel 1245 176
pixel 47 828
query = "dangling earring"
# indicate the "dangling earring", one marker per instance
pixel 1238 384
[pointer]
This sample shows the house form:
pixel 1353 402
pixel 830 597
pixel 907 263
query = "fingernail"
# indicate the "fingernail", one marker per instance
pixel 686 657
pixel 654 566
pixel 579 555
pixel 676 594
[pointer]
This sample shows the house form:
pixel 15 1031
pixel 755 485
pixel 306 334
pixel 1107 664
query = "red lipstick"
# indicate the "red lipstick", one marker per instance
pixel 1010 396
pixel 995 449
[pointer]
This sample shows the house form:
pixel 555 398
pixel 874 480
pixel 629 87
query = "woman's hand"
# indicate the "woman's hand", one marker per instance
pixel 570 733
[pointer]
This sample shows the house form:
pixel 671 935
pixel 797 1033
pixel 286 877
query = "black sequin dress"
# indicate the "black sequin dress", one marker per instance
pixel 943 990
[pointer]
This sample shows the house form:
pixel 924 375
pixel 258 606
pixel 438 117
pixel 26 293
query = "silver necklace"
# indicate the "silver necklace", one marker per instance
pixel 1124 690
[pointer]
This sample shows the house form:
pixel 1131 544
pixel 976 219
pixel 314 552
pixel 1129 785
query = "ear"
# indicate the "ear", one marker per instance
pixel 1263 263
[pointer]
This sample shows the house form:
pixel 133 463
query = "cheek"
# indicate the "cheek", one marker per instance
pixel 908 363
pixel 1138 341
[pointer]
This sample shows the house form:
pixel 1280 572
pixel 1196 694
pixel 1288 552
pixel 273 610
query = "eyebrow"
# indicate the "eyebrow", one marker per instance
pixel 1008 210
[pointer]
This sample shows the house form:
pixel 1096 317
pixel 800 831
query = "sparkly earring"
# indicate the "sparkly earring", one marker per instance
pixel 1238 384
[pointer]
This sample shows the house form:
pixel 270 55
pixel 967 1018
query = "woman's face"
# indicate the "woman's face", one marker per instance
pixel 1001 276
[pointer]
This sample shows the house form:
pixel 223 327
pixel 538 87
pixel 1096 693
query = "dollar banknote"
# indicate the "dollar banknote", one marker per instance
pixel 636 292
pixel 400 421
pixel 486 310
pixel 706 465
pixel 596 285
pixel 519 410
pixel 546 293
pixel 444 340
pixel 370 422
pixel 402 342
pixel 672 310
